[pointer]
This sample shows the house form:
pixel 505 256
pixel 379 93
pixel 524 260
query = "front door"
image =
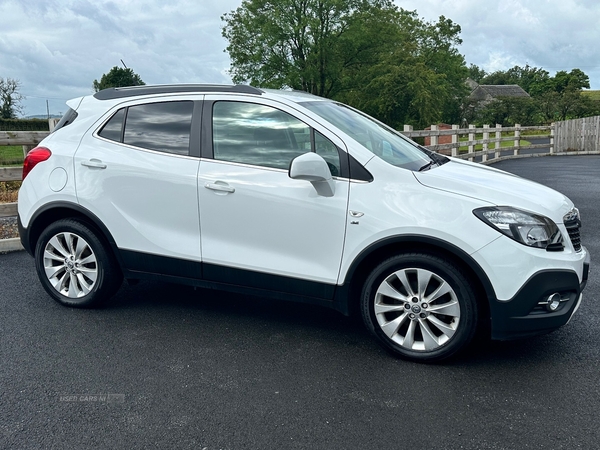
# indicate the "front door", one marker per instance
pixel 256 220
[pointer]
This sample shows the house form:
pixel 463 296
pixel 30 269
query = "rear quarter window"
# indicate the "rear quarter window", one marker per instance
pixel 67 119
pixel 163 127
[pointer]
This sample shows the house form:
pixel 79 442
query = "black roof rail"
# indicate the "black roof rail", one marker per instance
pixel 132 91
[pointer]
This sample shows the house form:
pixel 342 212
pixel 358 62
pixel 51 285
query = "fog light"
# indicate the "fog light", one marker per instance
pixel 553 302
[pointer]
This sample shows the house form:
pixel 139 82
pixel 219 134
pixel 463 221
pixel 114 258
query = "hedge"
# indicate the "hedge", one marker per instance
pixel 24 125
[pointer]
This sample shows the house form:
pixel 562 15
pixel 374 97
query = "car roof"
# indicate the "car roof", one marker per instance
pixel 136 91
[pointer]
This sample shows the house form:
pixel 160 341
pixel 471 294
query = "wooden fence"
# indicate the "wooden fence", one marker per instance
pixel 578 135
pixel 486 144
pixel 28 140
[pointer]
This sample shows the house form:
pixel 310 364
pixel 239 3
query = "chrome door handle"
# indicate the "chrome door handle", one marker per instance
pixel 219 187
pixel 95 163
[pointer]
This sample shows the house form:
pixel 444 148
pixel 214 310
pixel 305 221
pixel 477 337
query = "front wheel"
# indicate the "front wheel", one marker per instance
pixel 420 307
pixel 75 266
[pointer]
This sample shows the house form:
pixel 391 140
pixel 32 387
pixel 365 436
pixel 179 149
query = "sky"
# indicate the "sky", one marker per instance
pixel 57 48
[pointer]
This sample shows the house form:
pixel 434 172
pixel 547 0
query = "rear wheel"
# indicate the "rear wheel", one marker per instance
pixel 75 266
pixel 420 307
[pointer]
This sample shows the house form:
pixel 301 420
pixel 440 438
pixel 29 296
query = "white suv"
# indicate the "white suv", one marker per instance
pixel 285 194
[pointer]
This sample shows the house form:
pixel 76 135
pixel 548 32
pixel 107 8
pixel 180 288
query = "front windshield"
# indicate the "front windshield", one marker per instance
pixel 374 136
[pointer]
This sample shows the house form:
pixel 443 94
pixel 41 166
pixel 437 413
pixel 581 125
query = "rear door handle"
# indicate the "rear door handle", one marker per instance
pixel 95 163
pixel 220 187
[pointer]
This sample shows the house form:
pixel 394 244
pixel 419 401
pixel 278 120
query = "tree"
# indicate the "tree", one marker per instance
pixel 531 79
pixel 10 98
pixel 302 44
pixel 367 53
pixel 476 73
pixel 118 77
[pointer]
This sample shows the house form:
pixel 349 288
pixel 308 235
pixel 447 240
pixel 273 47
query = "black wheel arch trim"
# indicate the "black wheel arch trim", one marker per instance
pixel 26 236
pixel 411 241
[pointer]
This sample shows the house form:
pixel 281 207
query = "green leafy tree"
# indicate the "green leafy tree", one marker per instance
pixel 509 111
pixel 118 77
pixel 367 53
pixel 421 80
pixel 302 44
pixel 10 98
pixel 476 73
pixel 532 79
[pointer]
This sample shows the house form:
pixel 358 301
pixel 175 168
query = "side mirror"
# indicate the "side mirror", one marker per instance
pixel 312 167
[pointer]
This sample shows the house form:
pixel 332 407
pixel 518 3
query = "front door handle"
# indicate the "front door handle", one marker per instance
pixel 219 186
pixel 95 163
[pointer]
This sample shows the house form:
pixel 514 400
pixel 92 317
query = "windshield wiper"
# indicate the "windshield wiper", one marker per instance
pixel 426 166
pixel 439 159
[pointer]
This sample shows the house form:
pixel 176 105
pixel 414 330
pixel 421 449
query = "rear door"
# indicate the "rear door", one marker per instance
pixel 137 173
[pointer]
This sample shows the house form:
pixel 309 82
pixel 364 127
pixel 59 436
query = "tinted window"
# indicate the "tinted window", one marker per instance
pixel 258 135
pixel 386 143
pixel 327 149
pixel 160 126
pixel 112 129
pixel 66 119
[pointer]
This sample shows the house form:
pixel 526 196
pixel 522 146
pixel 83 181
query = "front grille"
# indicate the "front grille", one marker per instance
pixel 573 227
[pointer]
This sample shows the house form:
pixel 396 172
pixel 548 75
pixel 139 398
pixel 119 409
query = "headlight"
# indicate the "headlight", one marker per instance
pixel 522 226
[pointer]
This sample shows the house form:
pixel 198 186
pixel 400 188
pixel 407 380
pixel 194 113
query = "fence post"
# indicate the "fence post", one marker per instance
pixel 552 128
pixel 517 139
pixel 434 138
pixel 408 128
pixel 597 145
pixel 455 140
pixel 498 139
pixel 486 140
pixel 471 139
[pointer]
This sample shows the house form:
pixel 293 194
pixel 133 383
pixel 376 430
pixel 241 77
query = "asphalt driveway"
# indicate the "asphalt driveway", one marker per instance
pixel 166 366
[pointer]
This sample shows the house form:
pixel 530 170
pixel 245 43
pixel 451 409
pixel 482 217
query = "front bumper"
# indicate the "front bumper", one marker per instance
pixel 523 315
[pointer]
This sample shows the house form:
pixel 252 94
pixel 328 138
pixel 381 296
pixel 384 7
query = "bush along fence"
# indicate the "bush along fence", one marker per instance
pixel 486 144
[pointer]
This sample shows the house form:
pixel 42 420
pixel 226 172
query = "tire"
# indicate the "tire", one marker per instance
pixel 75 266
pixel 420 307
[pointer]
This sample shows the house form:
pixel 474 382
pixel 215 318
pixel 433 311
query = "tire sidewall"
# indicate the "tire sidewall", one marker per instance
pixel 95 296
pixel 444 269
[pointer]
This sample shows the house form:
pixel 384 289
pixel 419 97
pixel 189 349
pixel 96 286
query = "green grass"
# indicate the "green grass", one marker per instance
pixel 594 95
pixel 491 145
pixel 11 155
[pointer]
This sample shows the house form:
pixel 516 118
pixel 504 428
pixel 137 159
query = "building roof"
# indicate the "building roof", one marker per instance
pixel 491 91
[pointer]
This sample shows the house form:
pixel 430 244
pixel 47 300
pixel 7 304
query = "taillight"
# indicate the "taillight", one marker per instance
pixel 35 156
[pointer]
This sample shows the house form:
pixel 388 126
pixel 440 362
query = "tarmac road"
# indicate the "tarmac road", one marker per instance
pixel 165 366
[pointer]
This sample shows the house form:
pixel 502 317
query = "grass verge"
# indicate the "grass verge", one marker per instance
pixel 11 155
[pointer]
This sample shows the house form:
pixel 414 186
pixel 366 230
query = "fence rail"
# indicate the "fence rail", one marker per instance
pixel 26 139
pixel 461 143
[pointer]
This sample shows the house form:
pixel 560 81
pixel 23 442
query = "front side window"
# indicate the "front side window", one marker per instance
pixel 164 127
pixel 258 135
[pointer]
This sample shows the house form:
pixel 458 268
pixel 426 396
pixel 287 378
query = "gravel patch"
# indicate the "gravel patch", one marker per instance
pixel 8 228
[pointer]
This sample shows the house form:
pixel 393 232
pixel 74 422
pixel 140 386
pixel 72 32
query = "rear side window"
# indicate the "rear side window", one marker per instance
pixel 164 127
pixel 66 119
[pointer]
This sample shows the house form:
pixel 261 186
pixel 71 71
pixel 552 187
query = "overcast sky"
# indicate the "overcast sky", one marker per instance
pixel 56 48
